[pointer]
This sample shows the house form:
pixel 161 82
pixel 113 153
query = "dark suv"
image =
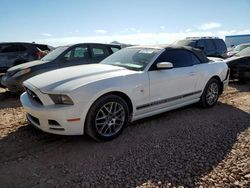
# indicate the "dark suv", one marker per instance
pixel 63 56
pixel 12 54
pixel 211 46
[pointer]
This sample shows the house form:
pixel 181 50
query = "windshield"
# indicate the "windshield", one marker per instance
pixel 54 54
pixel 244 52
pixel 131 58
pixel 190 43
pixel 240 47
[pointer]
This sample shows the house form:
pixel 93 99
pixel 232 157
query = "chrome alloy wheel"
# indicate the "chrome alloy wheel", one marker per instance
pixel 212 93
pixel 110 119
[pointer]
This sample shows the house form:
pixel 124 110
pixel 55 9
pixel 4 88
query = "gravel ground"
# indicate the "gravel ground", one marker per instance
pixel 188 147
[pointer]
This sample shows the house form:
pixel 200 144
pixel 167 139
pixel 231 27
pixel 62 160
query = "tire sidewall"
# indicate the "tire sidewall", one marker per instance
pixel 90 127
pixel 204 102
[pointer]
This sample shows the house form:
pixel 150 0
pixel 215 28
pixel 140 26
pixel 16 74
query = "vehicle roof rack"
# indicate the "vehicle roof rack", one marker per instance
pixel 202 37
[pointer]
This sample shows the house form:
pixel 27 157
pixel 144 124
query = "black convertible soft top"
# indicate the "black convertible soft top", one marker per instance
pixel 200 54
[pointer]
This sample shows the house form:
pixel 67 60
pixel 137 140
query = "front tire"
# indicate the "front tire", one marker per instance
pixel 107 118
pixel 210 94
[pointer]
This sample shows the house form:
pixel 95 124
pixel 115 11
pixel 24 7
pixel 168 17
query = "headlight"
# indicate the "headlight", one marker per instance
pixel 21 72
pixel 61 99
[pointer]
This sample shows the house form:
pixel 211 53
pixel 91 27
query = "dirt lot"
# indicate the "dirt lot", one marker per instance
pixel 189 147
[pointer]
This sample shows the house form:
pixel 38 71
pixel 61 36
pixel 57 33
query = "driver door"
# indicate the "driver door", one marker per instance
pixel 170 87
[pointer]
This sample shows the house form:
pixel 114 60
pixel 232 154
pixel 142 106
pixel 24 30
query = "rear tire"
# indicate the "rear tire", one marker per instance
pixel 210 94
pixel 107 118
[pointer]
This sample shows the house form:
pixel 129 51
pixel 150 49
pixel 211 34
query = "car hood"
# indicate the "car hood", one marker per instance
pixel 215 59
pixel 67 79
pixel 26 65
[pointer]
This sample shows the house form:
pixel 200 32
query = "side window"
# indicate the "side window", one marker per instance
pixel 80 52
pixel 114 49
pixel 77 53
pixel 210 45
pixel 10 48
pixel 21 48
pixel 200 43
pixel 220 45
pixel 13 48
pixel 179 58
pixel 195 60
pixel 99 51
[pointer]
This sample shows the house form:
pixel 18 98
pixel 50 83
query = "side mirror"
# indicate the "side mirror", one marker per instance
pixel 164 65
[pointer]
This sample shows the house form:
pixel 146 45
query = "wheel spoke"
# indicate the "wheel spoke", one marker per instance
pixel 212 93
pixel 107 110
pixel 110 118
pixel 101 118
pixel 118 111
pixel 104 128
pixel 104 114
pixel 111 107
pixel 115 106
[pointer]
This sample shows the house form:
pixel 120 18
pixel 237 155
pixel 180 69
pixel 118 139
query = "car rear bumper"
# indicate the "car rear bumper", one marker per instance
pixel 56 119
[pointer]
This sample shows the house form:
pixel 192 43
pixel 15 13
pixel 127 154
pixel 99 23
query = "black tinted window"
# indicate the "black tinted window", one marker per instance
pixel 220 44
pixel 200 43
pixel 13 48
pixel 179 58
pixel 195 60
pixel 209 45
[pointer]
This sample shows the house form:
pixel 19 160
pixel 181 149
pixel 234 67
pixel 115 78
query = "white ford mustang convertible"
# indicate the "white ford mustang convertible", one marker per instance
pixel 133 83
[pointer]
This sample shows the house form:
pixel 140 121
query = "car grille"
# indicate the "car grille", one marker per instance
pixel 33 96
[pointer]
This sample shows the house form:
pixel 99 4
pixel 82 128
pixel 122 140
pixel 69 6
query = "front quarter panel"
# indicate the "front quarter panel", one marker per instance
pixel 135 86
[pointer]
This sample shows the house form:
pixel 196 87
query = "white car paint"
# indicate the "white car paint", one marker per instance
pixel 84 84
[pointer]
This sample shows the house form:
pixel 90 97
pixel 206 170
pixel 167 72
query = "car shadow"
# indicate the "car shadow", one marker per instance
pixel 176 147
pixel 9 100
pixel 240 86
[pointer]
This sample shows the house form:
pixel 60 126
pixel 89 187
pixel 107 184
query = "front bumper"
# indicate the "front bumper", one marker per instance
pixel 54 118
pixel 226 81
pixel 12 84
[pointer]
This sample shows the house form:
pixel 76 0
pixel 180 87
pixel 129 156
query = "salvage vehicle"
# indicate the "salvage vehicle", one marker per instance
pixel 239 65
pixel 237 49
pixel 133 83
pixel 64 56
pixel 16 53
pixel 211 46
